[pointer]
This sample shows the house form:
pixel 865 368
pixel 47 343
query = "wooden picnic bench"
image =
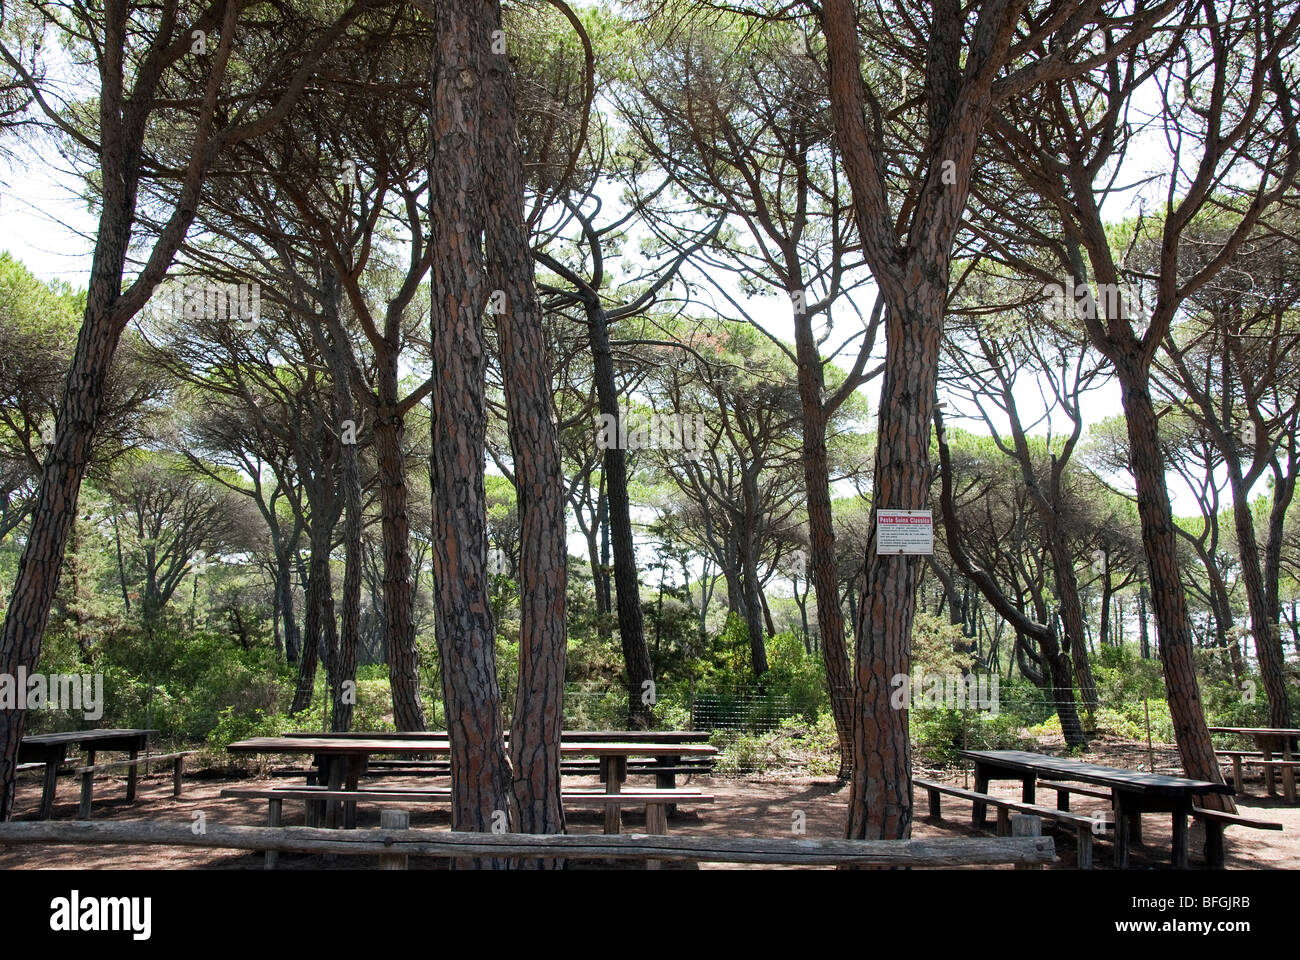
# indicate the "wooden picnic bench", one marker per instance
pixel 1269 741
pixel 1084 827
pixel 1133 792
pixel 664 767
pixel 87 774
pixel 1214 821
pixel 51 750
pixel 346 758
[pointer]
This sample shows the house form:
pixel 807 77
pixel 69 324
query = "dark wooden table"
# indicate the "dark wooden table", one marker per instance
pixel 345 757
pixel 52 750
pixel 1270 740
pixel 577 736
pixel 1133 793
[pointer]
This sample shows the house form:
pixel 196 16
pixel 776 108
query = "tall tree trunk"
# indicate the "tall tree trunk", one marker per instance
pixel 481 777
pixel 753 609
pixel 1263 616
pixel 880 804
pixel 1173 628
pixel 1067 589
pixel 399 626
pixel 603 506
pixel 284 595
pixel 534 444
pixel 343 675
pixel 320 609
pixel 55 510
pixel 627 585
pixel 1103 629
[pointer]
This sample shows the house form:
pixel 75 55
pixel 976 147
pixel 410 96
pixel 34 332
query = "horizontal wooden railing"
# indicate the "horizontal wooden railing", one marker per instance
pixel 1023 851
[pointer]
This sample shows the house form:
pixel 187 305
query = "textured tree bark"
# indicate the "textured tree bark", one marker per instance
pixel 481 776
pixel 1263 613
pixel 753 603
pixel 41 564
pixel 627 585
pixel 284 593
pixel 1103 628
pixel 538 717
pixel 399 627
pixel 1067 590
pixel 343 673
pixel 1173 627
pixel 880 805
pixel 913 278
pixel 821 539
pixel 320 609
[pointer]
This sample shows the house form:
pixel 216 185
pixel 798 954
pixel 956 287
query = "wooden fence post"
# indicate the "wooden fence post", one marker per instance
pixel 391 819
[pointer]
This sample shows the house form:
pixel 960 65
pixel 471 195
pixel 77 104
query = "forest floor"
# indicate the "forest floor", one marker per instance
pixel 758 805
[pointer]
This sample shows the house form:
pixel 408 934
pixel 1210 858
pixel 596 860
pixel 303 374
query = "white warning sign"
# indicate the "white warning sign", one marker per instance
pixel 904 531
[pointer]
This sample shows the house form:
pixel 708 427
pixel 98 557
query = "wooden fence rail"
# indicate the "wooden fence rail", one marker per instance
pixel 941 852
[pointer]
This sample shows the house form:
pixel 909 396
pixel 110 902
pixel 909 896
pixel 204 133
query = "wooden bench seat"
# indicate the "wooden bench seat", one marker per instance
pixel 1083 827
pixel 1256 759
pixel 1215 822
pixel 87 774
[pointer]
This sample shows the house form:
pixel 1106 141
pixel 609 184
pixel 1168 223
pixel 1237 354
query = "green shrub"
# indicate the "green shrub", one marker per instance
pixel 940 733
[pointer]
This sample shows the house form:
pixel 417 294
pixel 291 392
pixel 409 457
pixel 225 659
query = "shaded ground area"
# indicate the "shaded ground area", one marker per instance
pixel 768 806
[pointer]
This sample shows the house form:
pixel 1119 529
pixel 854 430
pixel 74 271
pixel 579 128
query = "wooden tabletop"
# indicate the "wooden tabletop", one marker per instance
pixel 336 745
pixel 84 736
pixel 577 736
pixel 1258 731
pixel 1117 777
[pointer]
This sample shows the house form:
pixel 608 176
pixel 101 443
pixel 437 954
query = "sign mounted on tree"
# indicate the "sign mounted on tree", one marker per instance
pixel 904 531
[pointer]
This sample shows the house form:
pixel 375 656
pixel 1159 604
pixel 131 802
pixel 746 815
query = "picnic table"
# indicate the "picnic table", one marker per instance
pixel 51 749
pixel 664 766
pixel 1132 791
pixel 1270 740
pixel 343 758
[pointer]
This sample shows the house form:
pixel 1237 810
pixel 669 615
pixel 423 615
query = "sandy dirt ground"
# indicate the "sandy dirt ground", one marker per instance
pixel 768 806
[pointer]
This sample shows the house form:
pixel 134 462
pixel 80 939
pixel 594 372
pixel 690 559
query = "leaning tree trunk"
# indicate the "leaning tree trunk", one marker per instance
pixel 55 509
pixel 1173 627
pixel 627 585
pixel 284 594
pixel 534 445
pixel 753 609
pixel 481 777
pixel 343 673
pixel 399 626
pixel 748 549
pixel 1067 589
pixel 1263 615
pixel 320 609
pixel 821 541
